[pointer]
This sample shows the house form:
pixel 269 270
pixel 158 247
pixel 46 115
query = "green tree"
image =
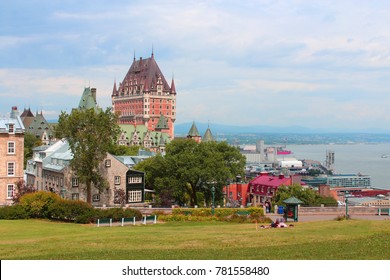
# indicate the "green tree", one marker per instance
pixel 121 150
pixel 90 135
pixel 308 196
pixel 190 167
pixel 30 142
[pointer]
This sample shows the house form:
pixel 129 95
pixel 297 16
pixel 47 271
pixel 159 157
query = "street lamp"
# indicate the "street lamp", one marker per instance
pixel 212 205
pixel 346 195
pixel 63 192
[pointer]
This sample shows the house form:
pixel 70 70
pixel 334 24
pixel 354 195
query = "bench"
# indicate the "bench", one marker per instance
pixel 152 218
pixel 383 211
pixel 243 213
pixel 127 220
pixel 104 221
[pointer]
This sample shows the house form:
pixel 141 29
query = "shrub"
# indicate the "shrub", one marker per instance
pixel 68 210
pixel 221 214
pixel 118 213
pixel 13 212
pixel 37 204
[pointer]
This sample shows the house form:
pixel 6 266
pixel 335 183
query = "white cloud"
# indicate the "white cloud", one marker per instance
pixel 266 62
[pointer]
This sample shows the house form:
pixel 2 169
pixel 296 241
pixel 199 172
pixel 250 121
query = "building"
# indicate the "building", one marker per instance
pixel 140 135
pixel 349 181
pixel 264 187
pixel 11 155
pixel 194 134
pixel 236 194
pixel 144 96
pixel 50 170
pixel 38 126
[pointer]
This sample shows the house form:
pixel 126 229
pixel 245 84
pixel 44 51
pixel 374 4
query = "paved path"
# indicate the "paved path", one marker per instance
pixel 327 217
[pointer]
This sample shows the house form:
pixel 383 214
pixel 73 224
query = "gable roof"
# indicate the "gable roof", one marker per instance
pixel 39 125
pixel 270 181
pixel 142 131
pixel 292 200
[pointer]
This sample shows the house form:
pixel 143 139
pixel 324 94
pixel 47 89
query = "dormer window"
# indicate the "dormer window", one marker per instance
pixel 11 128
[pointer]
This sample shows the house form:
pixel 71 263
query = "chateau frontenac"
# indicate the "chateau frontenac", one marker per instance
pixel 144 97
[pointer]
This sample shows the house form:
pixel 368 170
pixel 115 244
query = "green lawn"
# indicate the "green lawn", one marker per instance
pixel 352 239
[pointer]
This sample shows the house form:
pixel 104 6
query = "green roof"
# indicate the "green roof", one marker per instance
pixel 292 200
pixel 157 138
pixel 39 125
pixel 162 123
pixel 88 100
pixel 208 136
pixel 193 131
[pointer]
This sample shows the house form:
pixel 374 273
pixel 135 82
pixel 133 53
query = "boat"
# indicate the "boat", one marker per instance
pixel 283 151
pixel 384 156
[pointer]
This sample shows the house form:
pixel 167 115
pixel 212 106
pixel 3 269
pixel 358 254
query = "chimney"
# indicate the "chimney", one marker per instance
pixel 14 112
pixel 93 92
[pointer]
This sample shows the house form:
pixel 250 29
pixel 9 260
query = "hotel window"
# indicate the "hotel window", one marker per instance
pixel 11 168
pixel 10 191
pixel 75 196
pixel 11 147
pixel 108 162
pixel 117 180
pixel 96 197
pixel 135 196
pixel 11 128
pixel 75 182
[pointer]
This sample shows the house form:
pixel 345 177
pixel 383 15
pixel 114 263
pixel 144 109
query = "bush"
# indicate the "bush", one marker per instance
pixel 37 204
pixel 69 210
pixel 13 212
pixel 221 214
pixel 118 213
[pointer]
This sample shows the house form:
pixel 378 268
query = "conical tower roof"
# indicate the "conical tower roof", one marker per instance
pixel 194 132
pixel 208 136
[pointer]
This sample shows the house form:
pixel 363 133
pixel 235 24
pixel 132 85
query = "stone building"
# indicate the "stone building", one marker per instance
pixel 11 155
pixel 50 170
pixel 38 126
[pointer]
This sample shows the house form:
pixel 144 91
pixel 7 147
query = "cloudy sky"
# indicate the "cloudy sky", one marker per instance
pixel 261 62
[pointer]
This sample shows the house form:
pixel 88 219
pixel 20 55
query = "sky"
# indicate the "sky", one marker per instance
pixel 316 64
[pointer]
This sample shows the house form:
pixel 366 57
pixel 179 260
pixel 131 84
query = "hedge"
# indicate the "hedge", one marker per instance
pixel 218 212
pixel 48 205
pixel 14 212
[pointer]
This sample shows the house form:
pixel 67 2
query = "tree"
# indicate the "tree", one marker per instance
pixel 30 141
pixel 90 135
pixel 308 196
pixel 21 189
pixel 190 167
pixel 121 150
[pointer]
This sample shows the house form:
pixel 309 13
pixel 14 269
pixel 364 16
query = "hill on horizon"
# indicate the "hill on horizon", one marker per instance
pixel 183 128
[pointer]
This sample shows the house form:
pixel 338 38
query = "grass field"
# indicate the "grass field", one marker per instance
pixel 334 240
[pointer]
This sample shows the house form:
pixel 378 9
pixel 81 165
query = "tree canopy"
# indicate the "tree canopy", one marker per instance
pixel 308 196
pixel 90 135
pixel 189 168
pixel 30 142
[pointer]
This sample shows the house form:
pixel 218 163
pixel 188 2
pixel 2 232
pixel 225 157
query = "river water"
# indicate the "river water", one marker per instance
pixel 352 159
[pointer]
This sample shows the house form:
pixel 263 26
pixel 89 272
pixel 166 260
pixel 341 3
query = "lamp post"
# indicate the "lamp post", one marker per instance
pixel 212 204
pixel 346 204
pixel 63 192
